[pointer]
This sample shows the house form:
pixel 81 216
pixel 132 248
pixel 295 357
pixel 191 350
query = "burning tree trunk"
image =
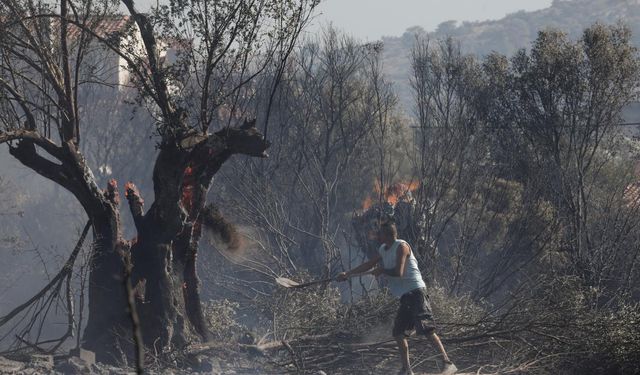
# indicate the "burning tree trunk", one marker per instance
pixel 165 250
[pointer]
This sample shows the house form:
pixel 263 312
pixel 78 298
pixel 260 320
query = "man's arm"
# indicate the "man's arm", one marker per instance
pixel 401 259
pixel 366 266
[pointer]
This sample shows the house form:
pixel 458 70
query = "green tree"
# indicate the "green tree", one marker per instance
pixel 558 107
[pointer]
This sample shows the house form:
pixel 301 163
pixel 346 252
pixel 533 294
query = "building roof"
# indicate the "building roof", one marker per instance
pixel 103 27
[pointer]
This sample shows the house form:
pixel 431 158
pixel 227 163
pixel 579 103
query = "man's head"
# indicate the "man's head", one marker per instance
pixel 387 232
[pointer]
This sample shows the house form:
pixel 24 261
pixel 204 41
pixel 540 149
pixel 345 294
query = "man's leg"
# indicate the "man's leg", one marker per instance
pixel 438 344
pixel 427 326
pixel 403 348
pixel 402 324
pixel 449 367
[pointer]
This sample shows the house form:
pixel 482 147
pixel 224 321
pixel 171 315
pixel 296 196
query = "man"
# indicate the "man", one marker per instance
pixel 404 280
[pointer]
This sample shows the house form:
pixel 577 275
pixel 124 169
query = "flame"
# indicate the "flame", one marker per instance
pixel 187 188
pixel 376 187
pixel 129 188
pixel 367 203
pixel 399 191
pixel 111 192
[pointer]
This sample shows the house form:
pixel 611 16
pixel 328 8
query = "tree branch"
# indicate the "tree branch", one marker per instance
pixel 26 153
pixel 66 269
pixel 146 32
pixel 136 204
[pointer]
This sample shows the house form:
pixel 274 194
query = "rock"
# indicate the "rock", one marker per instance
pixel 8 366
pixel 247 338
pixel 74 366
pixel 206 364
pixel 88 356
pixel 42 361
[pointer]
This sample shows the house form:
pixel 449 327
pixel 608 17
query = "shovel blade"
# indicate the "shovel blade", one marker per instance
pixel 287 283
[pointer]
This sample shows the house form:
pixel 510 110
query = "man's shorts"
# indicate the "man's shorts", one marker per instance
pixel 414 314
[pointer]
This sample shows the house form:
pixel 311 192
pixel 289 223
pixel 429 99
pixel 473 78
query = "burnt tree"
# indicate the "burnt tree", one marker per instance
pixel 46 56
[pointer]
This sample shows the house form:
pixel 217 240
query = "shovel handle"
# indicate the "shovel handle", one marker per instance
pixel 331 279
pixel 358 274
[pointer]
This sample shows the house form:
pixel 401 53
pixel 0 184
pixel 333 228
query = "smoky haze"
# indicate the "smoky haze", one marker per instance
pixel 417 141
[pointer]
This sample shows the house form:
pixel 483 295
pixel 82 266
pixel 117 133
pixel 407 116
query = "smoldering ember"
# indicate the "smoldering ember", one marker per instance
pixel 244 187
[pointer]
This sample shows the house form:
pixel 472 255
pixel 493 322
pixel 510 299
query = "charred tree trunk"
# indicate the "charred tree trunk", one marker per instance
pixel 162 320
pixel 108 323
pixel 163 256
pixel 165 252
pixel 195 186
pixel 186 252
pixel 186 247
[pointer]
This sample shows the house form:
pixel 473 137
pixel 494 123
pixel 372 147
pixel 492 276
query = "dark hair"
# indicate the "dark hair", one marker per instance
pixel 389 228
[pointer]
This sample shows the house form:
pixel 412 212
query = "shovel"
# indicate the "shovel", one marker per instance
pixel 288 283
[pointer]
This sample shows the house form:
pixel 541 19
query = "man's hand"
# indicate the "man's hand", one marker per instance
pixel 366 266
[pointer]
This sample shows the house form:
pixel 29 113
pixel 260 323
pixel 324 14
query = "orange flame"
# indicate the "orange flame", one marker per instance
pixel 393 194
pixel 367 203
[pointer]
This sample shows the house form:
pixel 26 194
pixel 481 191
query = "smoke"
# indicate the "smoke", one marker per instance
pixel 222 231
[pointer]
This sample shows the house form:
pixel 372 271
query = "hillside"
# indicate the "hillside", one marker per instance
pixel 510 33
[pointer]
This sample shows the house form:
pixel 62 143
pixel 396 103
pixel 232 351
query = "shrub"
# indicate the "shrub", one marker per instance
pixel 221 318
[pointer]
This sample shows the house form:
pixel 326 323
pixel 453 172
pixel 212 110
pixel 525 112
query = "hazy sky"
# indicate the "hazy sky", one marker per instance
pixel 371 19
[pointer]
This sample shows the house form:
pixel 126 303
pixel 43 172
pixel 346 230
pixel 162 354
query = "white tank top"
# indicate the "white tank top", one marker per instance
pixel 411 278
